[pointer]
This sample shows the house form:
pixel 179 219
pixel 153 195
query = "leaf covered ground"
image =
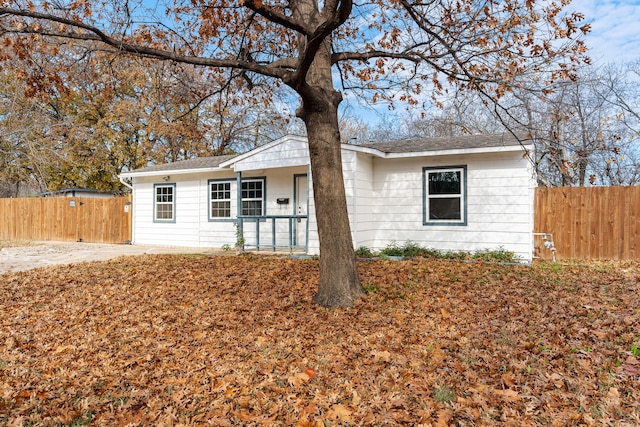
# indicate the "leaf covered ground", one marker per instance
pixel 172 340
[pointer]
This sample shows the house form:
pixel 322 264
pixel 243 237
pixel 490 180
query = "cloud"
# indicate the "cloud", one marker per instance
pixel 614 36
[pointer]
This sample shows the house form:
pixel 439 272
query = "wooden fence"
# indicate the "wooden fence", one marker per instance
pixel 589 222
pixel 69 219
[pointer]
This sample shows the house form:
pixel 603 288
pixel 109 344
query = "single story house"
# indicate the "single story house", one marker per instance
pixel 459 193
pixel 79 192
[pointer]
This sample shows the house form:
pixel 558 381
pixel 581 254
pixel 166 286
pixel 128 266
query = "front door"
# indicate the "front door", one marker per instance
pixel 301 202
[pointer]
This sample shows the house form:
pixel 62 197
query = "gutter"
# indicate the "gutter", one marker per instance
pixel 126 184
pixel 171 172
pixel 435 153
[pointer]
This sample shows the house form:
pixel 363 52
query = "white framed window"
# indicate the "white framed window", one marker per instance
pixel 253 196
pixel 165 203
pixel 445 195
pixel 219 199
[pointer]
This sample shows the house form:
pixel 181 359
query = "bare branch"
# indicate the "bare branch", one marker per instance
pixel 272 15
pixel 96 35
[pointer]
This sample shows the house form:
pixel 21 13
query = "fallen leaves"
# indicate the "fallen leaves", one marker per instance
pixel 178 340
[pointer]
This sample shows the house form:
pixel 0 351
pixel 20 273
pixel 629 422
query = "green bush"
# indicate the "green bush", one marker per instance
pixel 496 255
pixel 413 250
pixel 364 252
pixel 391 250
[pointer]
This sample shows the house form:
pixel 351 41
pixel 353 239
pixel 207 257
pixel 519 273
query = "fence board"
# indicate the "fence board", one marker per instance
pixel 589 222
pixel 66 219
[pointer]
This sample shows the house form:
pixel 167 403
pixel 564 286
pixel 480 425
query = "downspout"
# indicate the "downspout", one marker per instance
pixel 354 225
pixel 126 184
pixel 239 224
pixel 133 218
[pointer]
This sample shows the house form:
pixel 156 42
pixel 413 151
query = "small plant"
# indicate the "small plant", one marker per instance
pixel 456 255
pixel 226 247
pixel 635 350
pixel 432 253
pixel 372 288
pixel 239 245
pixel 496 255
pixel 391 250
pixel 444 394
pixel 412 250
pixel 364 252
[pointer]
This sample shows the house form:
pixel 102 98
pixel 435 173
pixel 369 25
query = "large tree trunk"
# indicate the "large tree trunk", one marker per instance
pixel 339 282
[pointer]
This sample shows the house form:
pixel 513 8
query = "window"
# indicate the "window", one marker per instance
pixel 252 196
pixel 220 198
pixel 445 195
pixel 165 202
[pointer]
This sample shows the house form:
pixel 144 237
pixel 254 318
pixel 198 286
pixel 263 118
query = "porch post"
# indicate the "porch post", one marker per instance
pixel 239 221
pixel 309 178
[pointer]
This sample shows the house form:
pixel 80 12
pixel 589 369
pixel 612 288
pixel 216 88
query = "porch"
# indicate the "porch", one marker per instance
pixel 274 232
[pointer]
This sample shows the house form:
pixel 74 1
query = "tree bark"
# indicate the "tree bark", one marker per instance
pixel 339 281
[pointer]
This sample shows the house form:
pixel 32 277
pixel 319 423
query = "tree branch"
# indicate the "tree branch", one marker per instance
pixel 272 15
pixel 339 13
pixel 95 34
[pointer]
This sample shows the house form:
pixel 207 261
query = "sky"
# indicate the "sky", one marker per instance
pixel 614 38
pixel 615 29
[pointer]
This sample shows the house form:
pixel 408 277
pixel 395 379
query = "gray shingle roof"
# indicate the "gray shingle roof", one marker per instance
pixel 199 163
pixel 415 145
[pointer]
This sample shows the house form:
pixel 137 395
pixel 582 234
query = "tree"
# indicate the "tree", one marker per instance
pixel 390 49
pixel 115 113
pixel 583 131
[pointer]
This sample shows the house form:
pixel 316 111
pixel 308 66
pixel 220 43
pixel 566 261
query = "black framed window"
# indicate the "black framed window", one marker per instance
pixel 445 195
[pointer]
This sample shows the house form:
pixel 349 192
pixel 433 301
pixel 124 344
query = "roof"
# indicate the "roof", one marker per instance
pixel 75 190
pixel 198 163
pixel 416 145
pixel 401 148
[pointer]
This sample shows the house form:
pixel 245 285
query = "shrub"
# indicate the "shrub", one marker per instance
pixel 391 250
pixel 496 255
pixel 412 250
pixel 364 252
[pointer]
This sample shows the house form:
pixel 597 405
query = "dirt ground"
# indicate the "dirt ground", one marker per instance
pixel 21 256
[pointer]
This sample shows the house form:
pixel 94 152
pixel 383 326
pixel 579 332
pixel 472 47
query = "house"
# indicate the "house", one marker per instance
pixel 459 193
pixel 78 192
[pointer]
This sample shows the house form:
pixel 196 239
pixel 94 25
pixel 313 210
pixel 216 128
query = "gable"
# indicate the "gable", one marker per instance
pixel 287 151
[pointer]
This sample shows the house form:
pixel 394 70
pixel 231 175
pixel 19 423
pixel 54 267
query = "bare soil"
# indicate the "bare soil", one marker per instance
pixel 27 255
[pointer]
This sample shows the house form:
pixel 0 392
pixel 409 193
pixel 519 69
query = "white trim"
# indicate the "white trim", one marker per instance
pixel 228 165
pixel 171 172
pixel 459 151
pixel 239 158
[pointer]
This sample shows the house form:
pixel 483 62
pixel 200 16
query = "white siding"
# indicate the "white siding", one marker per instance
pixel 280 184
pixel 499 204
pixel 290 151
pixel 384 201
pixel 193 228
pixel 363 223
pixel 313 246
pixel 183 232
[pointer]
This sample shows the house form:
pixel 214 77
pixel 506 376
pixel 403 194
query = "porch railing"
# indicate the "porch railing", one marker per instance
pixel 274 232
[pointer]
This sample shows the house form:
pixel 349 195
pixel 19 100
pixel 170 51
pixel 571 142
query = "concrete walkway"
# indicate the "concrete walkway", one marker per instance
pixel 30 255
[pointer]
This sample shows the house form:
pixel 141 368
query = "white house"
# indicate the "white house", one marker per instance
pixel 459 193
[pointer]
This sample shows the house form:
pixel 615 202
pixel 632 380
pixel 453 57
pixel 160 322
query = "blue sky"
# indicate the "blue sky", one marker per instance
pixel 614 37
pixel 615 32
